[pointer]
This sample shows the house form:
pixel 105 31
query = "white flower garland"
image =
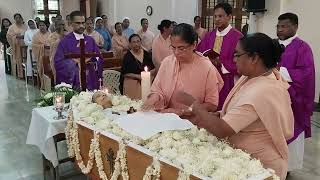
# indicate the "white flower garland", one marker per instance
pixel 197 150
pixel 76 144
pixel 153 171
pixel 73 144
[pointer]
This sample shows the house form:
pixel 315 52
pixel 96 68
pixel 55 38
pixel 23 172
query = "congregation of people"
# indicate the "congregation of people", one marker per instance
pixel 255 91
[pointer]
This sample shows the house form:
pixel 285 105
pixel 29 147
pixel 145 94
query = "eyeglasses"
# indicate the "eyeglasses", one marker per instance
pixel 239 55
pixel 180 48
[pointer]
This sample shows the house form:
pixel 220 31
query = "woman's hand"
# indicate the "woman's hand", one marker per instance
pixel 185 98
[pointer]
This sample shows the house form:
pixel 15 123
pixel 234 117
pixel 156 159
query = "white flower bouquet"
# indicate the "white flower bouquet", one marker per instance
pixel 47 99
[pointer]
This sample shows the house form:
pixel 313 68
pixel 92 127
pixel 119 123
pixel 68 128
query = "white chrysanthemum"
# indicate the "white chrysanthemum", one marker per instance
pixel 103 124
pixel 63 84
pixel 177 135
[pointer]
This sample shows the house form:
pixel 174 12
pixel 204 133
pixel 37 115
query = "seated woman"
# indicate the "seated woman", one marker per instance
pixel 133 64
pixel 119 42
pixel 256 116
pixel 98 38
pixel 185 70
pixel 98 26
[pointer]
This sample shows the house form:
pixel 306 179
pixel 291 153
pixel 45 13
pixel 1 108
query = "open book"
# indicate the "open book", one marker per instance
pixel 213 56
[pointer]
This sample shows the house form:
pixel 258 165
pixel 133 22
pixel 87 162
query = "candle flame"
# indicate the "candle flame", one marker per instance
pixel 106 91
pixel 58 99
pixel 146 69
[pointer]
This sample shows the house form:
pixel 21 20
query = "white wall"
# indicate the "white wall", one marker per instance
pixel 308 27
pixel 9 8
pixel 67 6
pixel 177 10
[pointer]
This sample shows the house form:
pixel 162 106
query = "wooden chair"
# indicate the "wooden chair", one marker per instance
pixel 47 165
pixel 111 79
pixel 24 61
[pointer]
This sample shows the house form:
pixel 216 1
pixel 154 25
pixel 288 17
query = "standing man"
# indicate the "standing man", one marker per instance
pixel 67 70
pixel 297 67
pixel 146 35
pixel 125 27
pixel 222 40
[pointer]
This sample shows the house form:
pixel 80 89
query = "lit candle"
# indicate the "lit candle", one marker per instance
pixel 106 91
pixel 145 83
pixel 58 102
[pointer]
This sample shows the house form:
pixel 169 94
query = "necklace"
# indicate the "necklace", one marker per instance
pixel 265 73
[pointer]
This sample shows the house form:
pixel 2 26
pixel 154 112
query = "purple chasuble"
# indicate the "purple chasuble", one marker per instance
pixel 67 70
pixel 298 59
pixel 229 44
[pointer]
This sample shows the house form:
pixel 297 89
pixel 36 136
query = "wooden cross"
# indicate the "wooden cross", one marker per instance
pixel 82 68
pixel 110 158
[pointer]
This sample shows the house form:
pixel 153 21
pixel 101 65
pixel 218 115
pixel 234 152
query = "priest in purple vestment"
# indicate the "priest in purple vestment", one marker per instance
pixel 67 70
pixel 297 67
pixel 223 40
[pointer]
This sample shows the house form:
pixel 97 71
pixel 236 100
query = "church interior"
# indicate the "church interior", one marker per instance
pixel 73 73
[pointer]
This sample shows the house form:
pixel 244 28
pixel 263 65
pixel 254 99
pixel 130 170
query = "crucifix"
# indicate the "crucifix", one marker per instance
pixel 110 158
pixel 82 68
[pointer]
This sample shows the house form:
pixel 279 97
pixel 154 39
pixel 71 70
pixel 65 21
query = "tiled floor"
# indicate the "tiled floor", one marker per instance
pixel 19 161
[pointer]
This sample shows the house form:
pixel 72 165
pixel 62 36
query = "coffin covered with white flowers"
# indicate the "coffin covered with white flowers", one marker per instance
pixel 103 150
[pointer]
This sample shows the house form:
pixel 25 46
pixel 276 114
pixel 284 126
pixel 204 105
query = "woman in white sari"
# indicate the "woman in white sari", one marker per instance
pixel 32 30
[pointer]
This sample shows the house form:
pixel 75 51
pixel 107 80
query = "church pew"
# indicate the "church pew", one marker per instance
pixel 20 41
pixel 47 71
pixel 111 62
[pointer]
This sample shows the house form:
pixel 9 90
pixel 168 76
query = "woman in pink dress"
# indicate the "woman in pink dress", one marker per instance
pixel 185 70
pixel 256 116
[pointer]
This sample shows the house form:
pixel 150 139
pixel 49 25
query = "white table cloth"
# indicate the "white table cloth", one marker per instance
pixel 42 129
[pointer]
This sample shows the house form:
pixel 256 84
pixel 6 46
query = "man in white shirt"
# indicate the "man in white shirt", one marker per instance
pixel 146 35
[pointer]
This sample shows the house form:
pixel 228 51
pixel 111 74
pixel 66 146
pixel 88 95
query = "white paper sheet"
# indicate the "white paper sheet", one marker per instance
pixel 147 124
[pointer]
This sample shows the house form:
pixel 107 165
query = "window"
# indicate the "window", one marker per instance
pixel 46 8
pixel 239 18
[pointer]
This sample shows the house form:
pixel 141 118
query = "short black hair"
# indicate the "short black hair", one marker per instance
pixel 115 25
pixel 103 15
pixel 16 14
pixel 74 14
pixel 293 18
pixel 141 21
pixel 134 35
pixel 195 18
pixel 269 50
pixel 186 32
pixel 225 6
pixel 164 23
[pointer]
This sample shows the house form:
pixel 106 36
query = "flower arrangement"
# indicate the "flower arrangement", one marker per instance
pixel 194 151
pixel 47 99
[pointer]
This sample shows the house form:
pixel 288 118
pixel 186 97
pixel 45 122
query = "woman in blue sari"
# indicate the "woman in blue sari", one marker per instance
pixel 98 26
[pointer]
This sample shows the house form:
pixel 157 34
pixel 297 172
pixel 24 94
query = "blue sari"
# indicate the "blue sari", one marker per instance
pixel 107 38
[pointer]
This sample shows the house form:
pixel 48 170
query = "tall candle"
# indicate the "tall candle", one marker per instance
pixel 145 83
